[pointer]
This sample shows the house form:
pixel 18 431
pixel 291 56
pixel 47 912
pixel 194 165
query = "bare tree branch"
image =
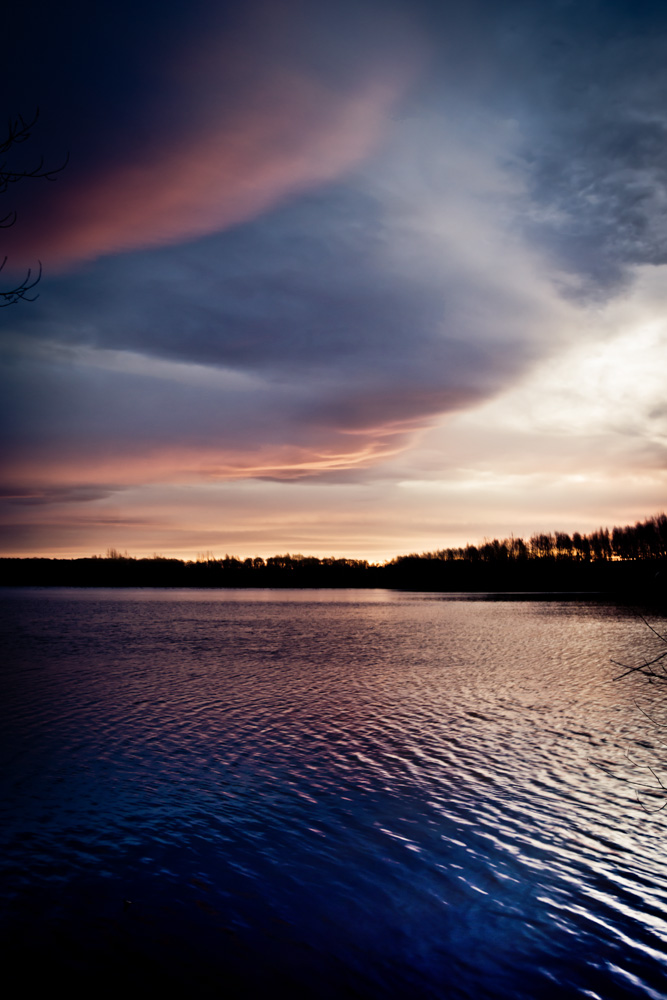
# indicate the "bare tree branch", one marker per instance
pixel 654 670
pixel 12 295
pixel 19 131
pixel 648 669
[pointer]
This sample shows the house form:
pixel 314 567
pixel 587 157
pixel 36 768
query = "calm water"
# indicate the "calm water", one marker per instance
pixel 356 794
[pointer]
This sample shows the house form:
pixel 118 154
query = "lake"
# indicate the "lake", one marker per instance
pixel 330 794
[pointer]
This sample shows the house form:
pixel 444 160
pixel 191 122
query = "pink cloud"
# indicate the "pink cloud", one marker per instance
pixel 239 126
pixel 29 476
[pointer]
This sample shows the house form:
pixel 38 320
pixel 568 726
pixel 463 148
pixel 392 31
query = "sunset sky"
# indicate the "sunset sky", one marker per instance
pixel 338 278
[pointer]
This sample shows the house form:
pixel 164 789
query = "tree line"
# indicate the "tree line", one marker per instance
pixel 643 540
pixel 631 558
pixel 121 570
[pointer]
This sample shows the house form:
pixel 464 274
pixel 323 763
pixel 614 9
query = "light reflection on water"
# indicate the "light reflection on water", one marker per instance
pixel 343 793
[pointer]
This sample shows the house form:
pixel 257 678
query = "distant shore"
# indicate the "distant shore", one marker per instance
pixel 548 574
pixel 630 560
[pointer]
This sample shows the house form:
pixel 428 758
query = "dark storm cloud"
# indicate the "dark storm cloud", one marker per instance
pixel 309 288
pixel 586 82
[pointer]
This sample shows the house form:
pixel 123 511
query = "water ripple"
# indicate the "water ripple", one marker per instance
pixel 367 794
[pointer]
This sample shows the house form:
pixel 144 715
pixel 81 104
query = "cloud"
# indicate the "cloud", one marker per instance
pixel 586 83
pixel 30 496
pixel 227 125
pixel 298 267
pixel 322 337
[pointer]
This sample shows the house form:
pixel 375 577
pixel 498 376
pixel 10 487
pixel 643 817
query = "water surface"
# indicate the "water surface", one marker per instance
pixel 351 793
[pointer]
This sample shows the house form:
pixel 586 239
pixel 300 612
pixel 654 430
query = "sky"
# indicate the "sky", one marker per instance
pixel 358 279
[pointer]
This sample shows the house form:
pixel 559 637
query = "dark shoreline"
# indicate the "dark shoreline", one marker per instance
pixel 546 578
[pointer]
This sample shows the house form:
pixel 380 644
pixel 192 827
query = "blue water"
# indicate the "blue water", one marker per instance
pixel 330 794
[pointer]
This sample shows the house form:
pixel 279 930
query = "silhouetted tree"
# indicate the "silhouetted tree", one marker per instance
pixel 518 548
pixel 581 547
pixel 563 545
pixel 541 545
pixel 600 543
pixel 19 131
